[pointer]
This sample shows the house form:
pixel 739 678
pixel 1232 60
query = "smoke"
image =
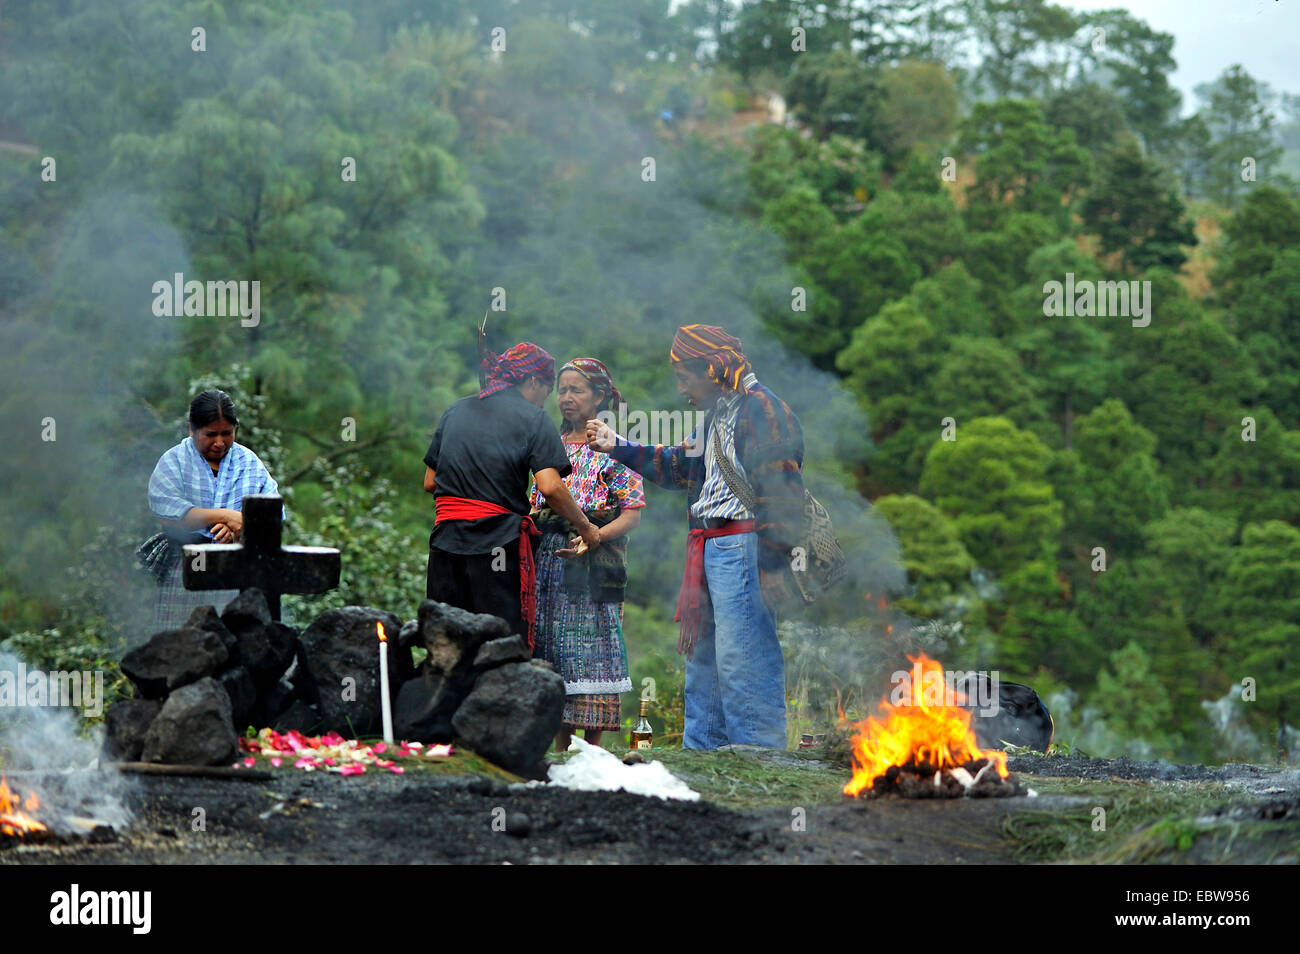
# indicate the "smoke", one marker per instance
pixel 604 230
pixel 40 746
pixel 79 353
pixel 606 235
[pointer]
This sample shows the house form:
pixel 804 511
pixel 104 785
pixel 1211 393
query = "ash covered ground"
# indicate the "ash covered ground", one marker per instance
pixel 324 819
pixel 316 818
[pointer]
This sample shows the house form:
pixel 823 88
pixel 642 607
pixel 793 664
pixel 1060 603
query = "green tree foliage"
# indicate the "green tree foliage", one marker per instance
pixel 1261 606
pixel 1139 61
pixel 864 270
pixel 1095 114
pixel 1267 319
pixel 1237 112
pixel 762 41
pixel 836 92
pixel 1023 44
pixel 991 482
pixel 920 107
pixel 875 291
pixel 253 172
pixel 1039 634
pixel 887 362
pixel 1267 223
pixel 928 226
pixel 1134 212
pixel 843 173
pixel 1066 357
pixel 1159 362
pixel 984 378
pixel 937 564
pixel 998 258
pixel 1191 155
pixel 1134 602
pixel 1192 547
pixel 1135 703
pixel 1022 164
pixel 953 302
pixel 940 588
pixel 1122 488
pixel 1256 472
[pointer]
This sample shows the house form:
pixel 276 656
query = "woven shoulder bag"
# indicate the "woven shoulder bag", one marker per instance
pixel 816 560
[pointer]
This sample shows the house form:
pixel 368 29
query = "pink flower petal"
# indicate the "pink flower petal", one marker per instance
pixel 396 769
pixel 353 769
pixel 249 763
pixel 276 762
pixel 379 748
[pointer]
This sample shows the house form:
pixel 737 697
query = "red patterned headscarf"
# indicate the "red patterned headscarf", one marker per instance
pixel 727 363
pixel 598 377
pixel 515 366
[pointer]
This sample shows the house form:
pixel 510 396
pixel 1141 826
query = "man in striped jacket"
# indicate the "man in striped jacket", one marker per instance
pixel 742 472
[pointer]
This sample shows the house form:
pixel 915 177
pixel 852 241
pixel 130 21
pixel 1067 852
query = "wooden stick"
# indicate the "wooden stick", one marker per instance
pixel 192 771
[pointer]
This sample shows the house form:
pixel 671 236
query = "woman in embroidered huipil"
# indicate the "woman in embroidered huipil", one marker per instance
pixel 580 596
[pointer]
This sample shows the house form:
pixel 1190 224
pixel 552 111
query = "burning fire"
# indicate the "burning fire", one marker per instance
pixel 379 631
pixel 14 819
pixel 920 730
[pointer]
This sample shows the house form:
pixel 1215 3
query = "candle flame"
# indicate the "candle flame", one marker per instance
pixel 379 631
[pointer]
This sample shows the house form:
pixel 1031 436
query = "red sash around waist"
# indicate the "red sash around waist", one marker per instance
pixel 466 508
pixel 691 600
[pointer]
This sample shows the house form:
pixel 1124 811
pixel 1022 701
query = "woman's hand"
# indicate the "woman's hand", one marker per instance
pixel 234 521
pixel 222 533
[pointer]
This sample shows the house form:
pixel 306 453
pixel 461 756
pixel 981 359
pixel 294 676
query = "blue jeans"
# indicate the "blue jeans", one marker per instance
pixel 735 684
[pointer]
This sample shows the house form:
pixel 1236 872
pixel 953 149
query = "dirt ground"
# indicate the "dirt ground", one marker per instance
pixel 387 819
pixel 317 818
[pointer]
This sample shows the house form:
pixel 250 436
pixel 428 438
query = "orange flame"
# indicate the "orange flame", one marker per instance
pixel 379 631
pixel 920 728
pixel 14 820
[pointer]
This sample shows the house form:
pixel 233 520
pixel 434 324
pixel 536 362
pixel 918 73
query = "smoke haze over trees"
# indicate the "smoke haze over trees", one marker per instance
pixel 882 253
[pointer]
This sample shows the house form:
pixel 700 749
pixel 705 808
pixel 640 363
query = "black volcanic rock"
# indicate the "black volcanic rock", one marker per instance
pixel 193 728
pixel 341 649
pixel 172 659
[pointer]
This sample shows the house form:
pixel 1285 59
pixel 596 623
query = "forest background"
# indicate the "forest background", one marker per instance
pixel 871 195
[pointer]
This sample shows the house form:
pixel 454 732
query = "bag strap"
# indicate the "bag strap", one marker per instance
pixel 735 483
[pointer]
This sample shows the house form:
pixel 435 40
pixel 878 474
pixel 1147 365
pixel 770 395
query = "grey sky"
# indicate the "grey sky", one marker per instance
pixel 1211 35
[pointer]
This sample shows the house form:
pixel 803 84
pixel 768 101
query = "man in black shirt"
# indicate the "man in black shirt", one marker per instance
pixel 481 548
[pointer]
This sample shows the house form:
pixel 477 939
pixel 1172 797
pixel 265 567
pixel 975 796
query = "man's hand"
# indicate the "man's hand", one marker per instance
pixel 222 533
pixel 590 535
pixel 574 549
pixel 600 436
pixel 775 592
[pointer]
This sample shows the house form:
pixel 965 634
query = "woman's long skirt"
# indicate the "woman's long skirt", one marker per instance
pixel 583 640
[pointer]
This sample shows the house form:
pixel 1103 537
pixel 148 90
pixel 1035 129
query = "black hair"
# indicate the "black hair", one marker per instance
pixel 212 405
pixel 696 366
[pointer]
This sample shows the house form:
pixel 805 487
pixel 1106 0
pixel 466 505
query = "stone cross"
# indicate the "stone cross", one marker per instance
pixel 260 560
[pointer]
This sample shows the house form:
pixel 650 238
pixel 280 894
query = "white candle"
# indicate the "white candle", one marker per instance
pixel 383 683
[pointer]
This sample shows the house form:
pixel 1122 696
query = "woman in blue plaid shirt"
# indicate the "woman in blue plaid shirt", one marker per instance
pixel 196 491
